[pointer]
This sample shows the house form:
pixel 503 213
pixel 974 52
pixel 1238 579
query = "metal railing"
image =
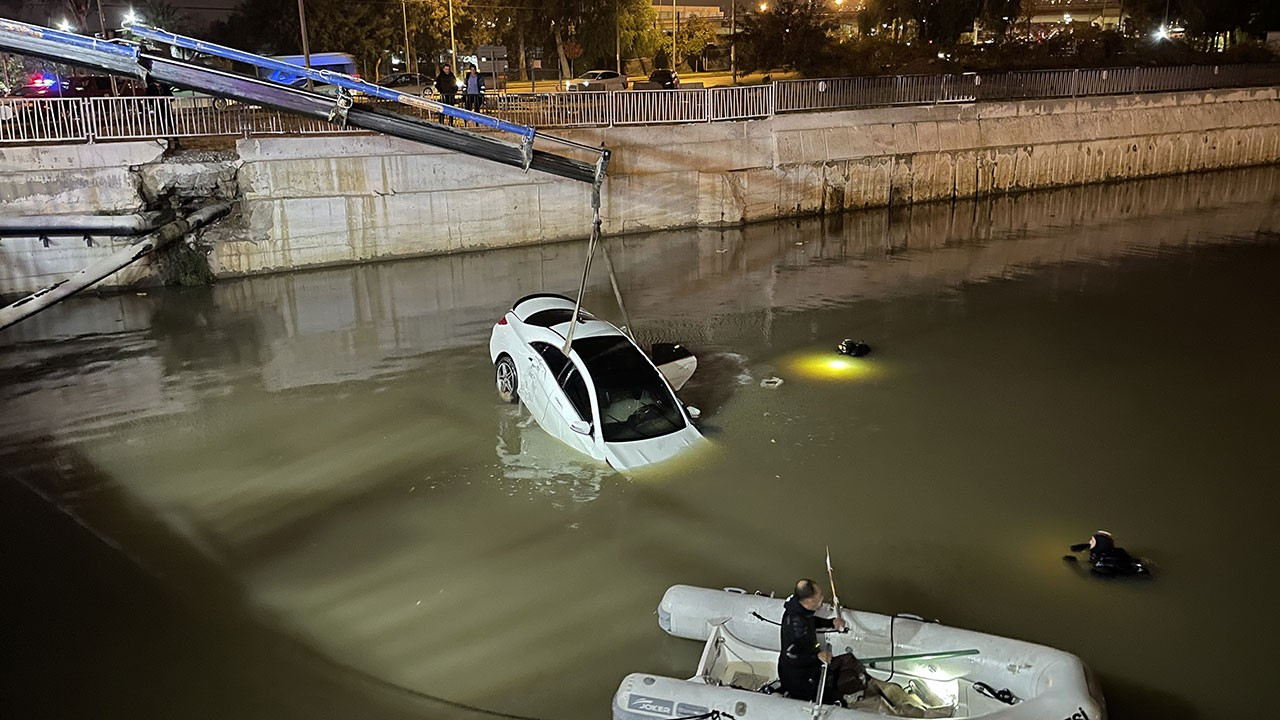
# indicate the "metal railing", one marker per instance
pixel 93 119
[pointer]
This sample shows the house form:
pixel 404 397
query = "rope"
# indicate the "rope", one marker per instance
pixel 1005 695
pixel 709 715
pixel 758 616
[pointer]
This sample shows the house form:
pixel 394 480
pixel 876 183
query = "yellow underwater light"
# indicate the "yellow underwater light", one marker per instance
pixel 828 366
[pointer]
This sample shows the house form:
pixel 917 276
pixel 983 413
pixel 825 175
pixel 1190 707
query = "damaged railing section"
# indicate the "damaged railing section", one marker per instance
pixel 118 260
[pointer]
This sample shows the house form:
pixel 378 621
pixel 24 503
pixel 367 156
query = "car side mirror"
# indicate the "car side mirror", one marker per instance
pixel 582 427
pixel 694 413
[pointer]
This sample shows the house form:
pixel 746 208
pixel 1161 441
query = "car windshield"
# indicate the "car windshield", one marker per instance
pixel 592 75
pixel 635 404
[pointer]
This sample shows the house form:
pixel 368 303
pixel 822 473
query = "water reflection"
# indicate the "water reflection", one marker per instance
pixel 534 463
pixel 329 446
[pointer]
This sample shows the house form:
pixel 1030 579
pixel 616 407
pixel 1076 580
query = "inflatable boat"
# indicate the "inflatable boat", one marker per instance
pixel 942 671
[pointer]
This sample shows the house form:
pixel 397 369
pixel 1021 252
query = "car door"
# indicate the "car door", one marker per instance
pixel 574 402
pixel 535 377
pixel 556 412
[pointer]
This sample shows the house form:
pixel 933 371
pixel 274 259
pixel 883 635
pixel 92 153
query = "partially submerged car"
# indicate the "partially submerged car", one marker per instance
pixel 606 398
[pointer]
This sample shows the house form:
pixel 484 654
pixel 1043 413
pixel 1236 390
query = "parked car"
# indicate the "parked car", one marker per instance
pixel 194 99
pixel 606 398
pixel 409 83
pixel 599 80
pixel 75 86
pixel 666 78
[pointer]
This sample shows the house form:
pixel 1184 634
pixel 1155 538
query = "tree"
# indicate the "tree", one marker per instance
pixel 161 14
pixel 630 24
pixel 941 20
pixel 79 11
pixel 1001 16
pixel 790 34
pixel 12 71
pixel 692 38
pixel 262 26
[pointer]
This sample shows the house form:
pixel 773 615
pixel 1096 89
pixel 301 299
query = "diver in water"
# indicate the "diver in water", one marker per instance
pixel 1107 559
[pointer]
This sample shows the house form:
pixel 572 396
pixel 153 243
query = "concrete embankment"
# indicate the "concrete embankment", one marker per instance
pixel 305 202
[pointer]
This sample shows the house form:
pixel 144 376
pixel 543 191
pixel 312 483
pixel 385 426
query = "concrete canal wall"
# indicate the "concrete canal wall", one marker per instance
pixel 314 201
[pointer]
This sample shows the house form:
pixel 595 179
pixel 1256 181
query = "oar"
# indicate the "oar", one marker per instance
pixel 831 578
pixel 920 656
pixel 822 689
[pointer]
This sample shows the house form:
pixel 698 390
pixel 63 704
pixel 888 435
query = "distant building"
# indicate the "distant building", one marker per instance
pixel 682 10
pixel 1105 14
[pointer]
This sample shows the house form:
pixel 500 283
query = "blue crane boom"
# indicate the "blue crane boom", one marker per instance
pixel 342 80
pixel 128 59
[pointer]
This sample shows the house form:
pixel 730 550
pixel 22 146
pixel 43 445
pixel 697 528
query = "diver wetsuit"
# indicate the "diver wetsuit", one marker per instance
pixel 1107 559
pixel 798 663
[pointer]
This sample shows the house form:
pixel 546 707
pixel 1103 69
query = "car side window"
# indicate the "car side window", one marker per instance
pixel 552 356
pixel 575 388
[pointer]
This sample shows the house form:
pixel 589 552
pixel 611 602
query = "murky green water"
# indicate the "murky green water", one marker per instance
pixel 298 497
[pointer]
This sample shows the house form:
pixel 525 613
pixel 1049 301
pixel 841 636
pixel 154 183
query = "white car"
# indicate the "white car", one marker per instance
pixel 606 399
pixel 598 80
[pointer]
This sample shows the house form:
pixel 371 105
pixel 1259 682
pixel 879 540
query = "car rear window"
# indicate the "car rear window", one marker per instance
pixel 555 316
pixel 635 404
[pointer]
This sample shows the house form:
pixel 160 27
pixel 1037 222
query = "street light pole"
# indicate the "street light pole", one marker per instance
pixel 733 42
pixel 617 32
pixel 453 45
pixel 306 49
pixel 675 25
pixel 102 23
pixel 404 17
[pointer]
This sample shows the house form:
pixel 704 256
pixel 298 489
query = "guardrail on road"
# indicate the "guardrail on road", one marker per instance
pixel 93 119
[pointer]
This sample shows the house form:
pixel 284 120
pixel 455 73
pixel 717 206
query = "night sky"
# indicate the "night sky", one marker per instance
pixel 50 12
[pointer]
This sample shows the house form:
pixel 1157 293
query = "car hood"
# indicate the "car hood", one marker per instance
pixel 637 453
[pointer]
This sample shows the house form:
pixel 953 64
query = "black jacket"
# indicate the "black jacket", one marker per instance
pixel 447 84
pixel 798 664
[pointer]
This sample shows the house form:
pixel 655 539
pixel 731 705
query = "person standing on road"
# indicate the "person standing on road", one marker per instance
pixel 447 86
pixel 474 97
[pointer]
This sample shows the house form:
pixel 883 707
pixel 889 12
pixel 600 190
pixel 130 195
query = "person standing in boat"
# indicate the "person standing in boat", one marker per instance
pixel 801 658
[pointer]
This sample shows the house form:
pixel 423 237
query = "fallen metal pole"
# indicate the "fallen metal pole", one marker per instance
pixel 38 225
pixel 43 299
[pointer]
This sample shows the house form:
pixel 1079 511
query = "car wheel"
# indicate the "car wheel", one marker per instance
pixel 507 381
pixel 220 103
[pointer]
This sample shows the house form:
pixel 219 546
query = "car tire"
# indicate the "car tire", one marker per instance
pixel 507 380
pixel 220 103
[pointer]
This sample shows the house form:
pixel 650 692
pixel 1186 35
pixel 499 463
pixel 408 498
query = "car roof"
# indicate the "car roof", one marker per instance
pixel 529 305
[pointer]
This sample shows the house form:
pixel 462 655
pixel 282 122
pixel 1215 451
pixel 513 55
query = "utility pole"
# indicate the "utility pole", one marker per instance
pixel 733 42
pixel 617 32
pixel 453 45
pixel 306 49
pixel 102 23
pixel 675 25
pixel 404 17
